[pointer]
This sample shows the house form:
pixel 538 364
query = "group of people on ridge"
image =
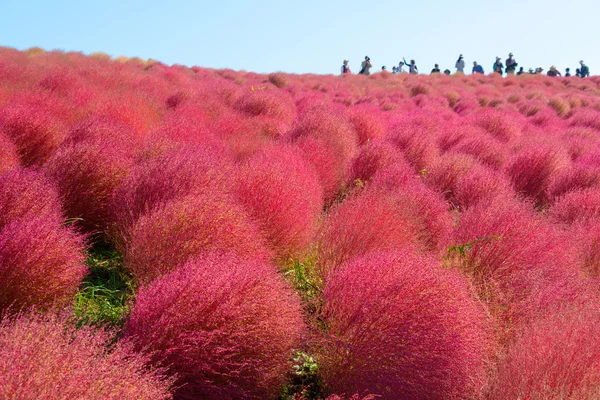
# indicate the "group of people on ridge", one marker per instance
pixel 498 67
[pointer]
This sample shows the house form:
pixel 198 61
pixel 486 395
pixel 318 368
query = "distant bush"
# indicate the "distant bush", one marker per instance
pixel 181 229
pixel 372 157
pixel 212 322
pixel 278 79
pixel 51 359
pixel 401 327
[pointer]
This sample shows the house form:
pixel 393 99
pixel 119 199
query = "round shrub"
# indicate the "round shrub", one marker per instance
pixel 554 358
pixel 377 219
pixel 9 157
pixel 26 194
pixel 368 123
pixel 51 359
pixel 580 206
pixel 371 158
pixel 226 326
pixel 400 326
pixel 174 173
pixel 87 174
pixel 41 263
pixel 281 191
pixel 181 229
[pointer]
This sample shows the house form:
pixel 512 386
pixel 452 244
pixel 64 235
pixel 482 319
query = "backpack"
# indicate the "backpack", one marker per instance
pixel 585 71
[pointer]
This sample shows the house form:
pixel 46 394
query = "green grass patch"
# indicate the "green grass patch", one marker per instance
pixel 105 293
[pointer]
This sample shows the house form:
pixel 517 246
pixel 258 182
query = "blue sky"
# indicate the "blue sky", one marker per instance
pixel 312 36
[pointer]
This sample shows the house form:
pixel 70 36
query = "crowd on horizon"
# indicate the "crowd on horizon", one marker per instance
pixel 498 67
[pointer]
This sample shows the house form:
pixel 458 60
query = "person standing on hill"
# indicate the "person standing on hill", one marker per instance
pixel 521 72
pixel 346 68
pixel 460 65
pixel 365 66
pixel 553 71
pixel 412 67
pixel 511 64
pixel 498 67
pixel 436 69
pixel 585 71
pixel 400 68
pixel 477 69
pixel 567 72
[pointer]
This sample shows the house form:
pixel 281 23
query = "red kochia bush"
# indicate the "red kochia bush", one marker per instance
pixel 378 219
pixel 178 172
pixel 368 123
pixel 532 169
pixel 226 326
pixel 40 263
pixel 520 263
pixel 581 206
pixel 25 194
pixel 9 157
pixel 51 359
pixel 182 228
pixel 281 191
pixel 329 142
pixel 400 326
pixel 35 131
pixel 554 358
pixel 87 174
pixel 372 157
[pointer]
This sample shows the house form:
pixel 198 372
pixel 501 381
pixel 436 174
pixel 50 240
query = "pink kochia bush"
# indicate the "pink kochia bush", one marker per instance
pixel 183 228
pixel 281 191
pixel 400 326
pixel 9 157
pixel 554 358
pixel 226 326
pixel 87 174
pixel 173 173
pixel 329 142
pixel 46 357
pixel 40 263
pixel 379 219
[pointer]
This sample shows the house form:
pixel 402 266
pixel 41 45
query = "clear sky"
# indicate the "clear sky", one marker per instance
pixel 311 35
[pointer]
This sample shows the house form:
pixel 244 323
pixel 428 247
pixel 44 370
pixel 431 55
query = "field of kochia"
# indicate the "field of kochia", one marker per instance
pixel 187 233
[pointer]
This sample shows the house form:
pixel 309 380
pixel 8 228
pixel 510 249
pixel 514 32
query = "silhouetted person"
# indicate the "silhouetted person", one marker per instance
pixel 447 72
pixel 346 68
pixel 477 69
pixel 511 64
pixel 567 72
pixel 365 66
pixel 400 68
pixel 436 69
pixel 553 72
pixel 578 73
pixel 585 71
pixel 460 65
pixel 521 72
pixel 394 70
pixel 498 67
pixel 412 67
pixel 383 69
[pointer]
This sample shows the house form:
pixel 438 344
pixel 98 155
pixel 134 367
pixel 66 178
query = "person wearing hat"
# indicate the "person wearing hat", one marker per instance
pixel 585 71
pixel 460 65
pixel 553 72
pixel 365 66
pixel 346 68
pixel 511 64
pixel 498 67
